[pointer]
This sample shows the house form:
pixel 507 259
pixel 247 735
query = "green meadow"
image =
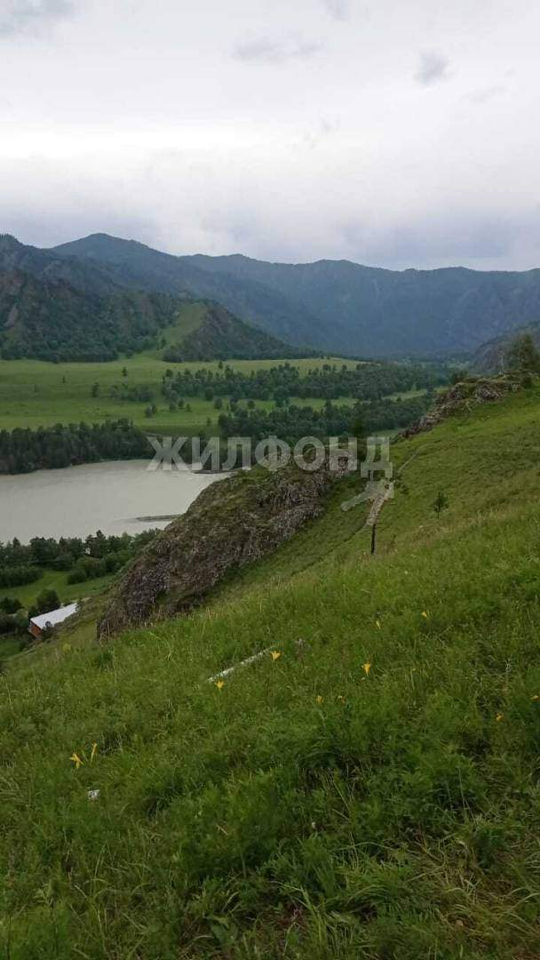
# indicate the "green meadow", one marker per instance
pixel 34 393
pixel 370 787
pixel 56 580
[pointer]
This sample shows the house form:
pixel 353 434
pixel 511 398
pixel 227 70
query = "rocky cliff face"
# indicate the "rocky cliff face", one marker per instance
pixel 232 523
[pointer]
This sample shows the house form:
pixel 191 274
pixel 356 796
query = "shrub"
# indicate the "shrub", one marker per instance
pixel 7 624
pixel 10 605
pixel 48 600
pixel 78 574
pixel 64 561
pixel 87 568
pixel 17 576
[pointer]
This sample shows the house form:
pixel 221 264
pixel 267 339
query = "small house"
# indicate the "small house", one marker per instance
pixel 38 624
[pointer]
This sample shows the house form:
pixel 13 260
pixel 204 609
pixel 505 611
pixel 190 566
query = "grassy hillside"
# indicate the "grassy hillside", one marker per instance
pixel 368 788
pixel 55 580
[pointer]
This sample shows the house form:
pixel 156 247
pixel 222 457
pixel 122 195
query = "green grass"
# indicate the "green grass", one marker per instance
pixel 189 318
pixel 406 394
pixel 56 580
pixel 9 647
pixel 309 809
pixel 33 394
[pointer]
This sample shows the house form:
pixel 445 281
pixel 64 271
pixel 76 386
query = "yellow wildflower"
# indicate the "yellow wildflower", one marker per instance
pixel 425 614
pixel 276 655
pixel 76 760
pixel 366 668
pixel 499 717
pixel 220 684
pixel 94 751
pixel 320 699
pixel 378 623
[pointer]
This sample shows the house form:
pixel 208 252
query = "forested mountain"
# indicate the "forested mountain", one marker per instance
pixel 49 319
pixel 46 265
pixel 335 305
pixel 220 336
pixel 135 265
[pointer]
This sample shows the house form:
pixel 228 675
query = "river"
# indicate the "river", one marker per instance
pixel 117 497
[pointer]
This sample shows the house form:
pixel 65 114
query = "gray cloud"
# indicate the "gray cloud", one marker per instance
pixel 338 9
pixel 433 68
pixel 30 16
pixel 486 94
pixel 271 50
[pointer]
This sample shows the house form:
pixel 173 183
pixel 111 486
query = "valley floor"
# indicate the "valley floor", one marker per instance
pixel 369 788
pixel 34 393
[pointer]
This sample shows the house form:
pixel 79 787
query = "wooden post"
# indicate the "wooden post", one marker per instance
pixel 373 538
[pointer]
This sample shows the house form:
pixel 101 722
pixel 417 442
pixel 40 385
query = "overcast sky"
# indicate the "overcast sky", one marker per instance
pixel 392 133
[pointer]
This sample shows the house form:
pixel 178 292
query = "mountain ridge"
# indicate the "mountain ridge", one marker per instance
pixel 331 306
pixel 237 255
pixel 47 318
pixel 249 300
pixel 341 305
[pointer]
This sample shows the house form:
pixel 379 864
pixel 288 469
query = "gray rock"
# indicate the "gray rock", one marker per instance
pixel 462 396
pixel 232 523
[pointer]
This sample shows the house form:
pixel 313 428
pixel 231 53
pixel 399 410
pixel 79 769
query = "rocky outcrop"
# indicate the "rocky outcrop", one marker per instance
pixel 232 523
pixel 463 396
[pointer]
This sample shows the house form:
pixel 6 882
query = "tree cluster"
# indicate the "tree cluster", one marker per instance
pixel 291 422
pixel 57 322
pixel 66 552
pixel 523 356
pixel 24 450
pixel 365 381
pixel 86 559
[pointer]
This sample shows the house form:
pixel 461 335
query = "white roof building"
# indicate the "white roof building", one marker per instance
pixel 54 617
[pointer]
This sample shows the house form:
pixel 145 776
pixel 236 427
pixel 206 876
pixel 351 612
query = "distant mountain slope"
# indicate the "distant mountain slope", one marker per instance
pixel 490 357
pixel 335 305
pixel 220 336
pixel 51 320
pixel 135 265
pixel 374 311
pixel 47 265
